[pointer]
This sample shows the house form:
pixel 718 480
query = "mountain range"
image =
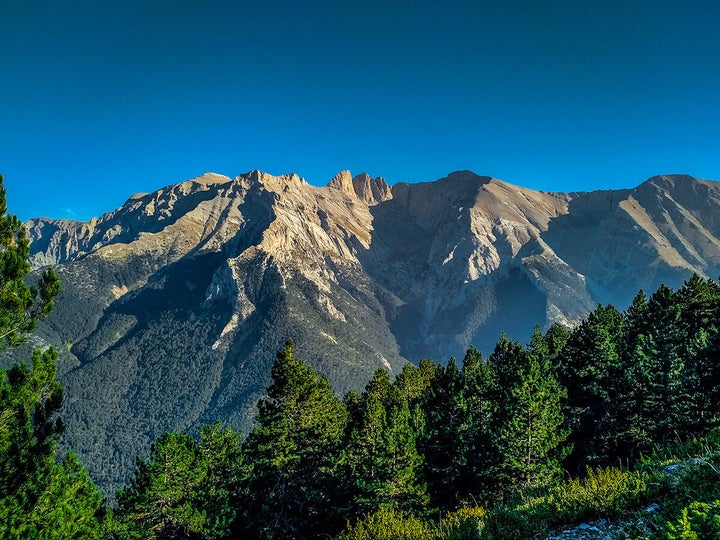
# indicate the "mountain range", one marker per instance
pixel 174 304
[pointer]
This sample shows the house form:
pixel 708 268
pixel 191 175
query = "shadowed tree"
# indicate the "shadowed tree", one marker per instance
pixel 529 436
pixel 381 458
pixel 291 481
pixel 458 447
pixel 594 371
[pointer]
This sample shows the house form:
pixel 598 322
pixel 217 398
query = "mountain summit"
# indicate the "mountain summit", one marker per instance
pixel 174 304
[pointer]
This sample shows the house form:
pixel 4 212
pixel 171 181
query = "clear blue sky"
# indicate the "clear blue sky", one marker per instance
pixel 100 100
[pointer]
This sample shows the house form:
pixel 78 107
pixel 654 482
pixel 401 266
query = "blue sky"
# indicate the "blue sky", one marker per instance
pixel 100 100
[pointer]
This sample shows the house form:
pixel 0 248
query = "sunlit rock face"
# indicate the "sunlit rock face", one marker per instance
pixel 174 304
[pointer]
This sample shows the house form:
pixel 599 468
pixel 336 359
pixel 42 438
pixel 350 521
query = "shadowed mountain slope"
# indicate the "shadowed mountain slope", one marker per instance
pixel 174 304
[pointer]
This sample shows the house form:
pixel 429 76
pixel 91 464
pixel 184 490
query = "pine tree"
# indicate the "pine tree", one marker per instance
pixel 21 306
pixel 441 442
pixel 593 370
pixel 661 367
pixel 159 501
pixel 554 342
pixel 699 301
pixel 39 498
pixel 185 488
pixel 381 458
pixel 530 417
pixel 221 451
pixel 479 455
pixel 291 486
pixel 412 382
pixel 459 456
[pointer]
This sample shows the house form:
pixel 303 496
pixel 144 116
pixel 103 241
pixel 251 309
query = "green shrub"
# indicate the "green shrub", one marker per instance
pixel 463 524
pixel 388 524
pixel 603 492
pixel 700 481
pixel 671 454
pixel 517 523
pixel 697 521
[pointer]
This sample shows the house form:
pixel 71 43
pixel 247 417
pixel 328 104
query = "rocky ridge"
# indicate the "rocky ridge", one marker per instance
pixel 174 304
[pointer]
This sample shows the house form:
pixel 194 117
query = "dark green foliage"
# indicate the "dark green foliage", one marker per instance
pixel 39 497
pixel 446 421
pixel 697 521
pixel 671 364
pixel 478 453
pixel 29 398
pixel 700 322
pixel 529 433
pixel 458 448
pixel 555 340
pixel 381 461
pixel 20 305
pixel 594 372
pixel 185 488
pixel 661 366
pixel 291 486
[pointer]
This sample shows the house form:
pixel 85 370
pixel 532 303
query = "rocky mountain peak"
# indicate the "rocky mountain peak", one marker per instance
pixel 363 187
pixel 672 180
pixel 278 184
pixel 343 182
pixel 199 283
pixel 211 178
pixel 371 190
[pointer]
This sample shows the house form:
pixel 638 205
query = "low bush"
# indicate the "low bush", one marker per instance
pixel 463 524
pixel 388 524
pixel 696 522
pixel 604 492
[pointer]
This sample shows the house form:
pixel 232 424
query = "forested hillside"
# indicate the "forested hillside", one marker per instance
pixel 533 438
pixel 483 449
pixel 456 443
